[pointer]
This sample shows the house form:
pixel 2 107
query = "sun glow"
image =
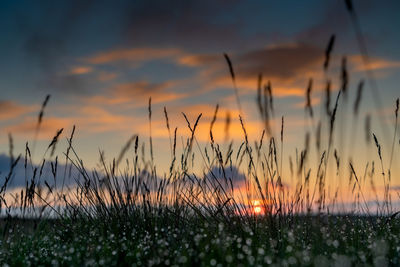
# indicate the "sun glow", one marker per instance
pixel 257 207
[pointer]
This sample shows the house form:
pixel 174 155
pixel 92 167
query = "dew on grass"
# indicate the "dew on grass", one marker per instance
pixel 229 258
pixel 267 260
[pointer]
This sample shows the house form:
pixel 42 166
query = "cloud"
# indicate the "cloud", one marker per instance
pixel 137 55
pixel 292 56
pixel 198 60
pixel 159 130
pixel 48 127
pixel 207 111
pixel 105 76
pixel 139 89
pixel 79 70
pixel 137 92
pixel 88 120
pixel 10 110
pixel 374 63
pixel 285 65
pixel 283 61
pixel 182 23
pixel 93 119
pixel 48 42
pixel 254 126
pixel 18 176
pixel 333 20
pixel 225 175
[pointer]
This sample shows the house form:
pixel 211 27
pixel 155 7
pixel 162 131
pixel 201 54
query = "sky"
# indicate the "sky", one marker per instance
pixel 101 61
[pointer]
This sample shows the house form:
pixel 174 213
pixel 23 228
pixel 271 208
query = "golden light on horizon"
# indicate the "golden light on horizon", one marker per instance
pixel 257 209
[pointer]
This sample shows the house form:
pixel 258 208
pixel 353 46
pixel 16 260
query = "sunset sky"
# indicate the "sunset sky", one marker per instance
pixel 102 60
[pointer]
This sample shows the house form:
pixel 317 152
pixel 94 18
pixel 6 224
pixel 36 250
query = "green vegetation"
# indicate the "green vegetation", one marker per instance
pixel 164 239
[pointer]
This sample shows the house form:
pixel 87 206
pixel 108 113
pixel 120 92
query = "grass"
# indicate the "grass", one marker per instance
pixel 126 213
pixel 164 240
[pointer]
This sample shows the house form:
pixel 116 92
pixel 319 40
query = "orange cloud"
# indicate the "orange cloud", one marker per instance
pixel 134 54
pixel 88 119
pixel 159 130
pixel 140 88
pixel 137 92
pixel 247 85
pixel 283 61
pixel 79 70
pixel 253 126
pixel 94 119
pixel 285 65
pixel 10 110
pixel 198 60
pixel 206 110
pixel 374 63
pixel 315 101
pixel 47 129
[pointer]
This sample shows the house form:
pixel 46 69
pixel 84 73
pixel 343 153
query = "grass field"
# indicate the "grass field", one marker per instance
pixel 165 239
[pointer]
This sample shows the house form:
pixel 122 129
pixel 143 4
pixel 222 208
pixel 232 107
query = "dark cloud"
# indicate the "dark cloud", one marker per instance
pixel 189 24
pixel 53 36
pixel 48 42
pixel 18 175
pixel 226 175
pixel 142 89
pixel 334 20
pixel 66 83
pixel 57 33
pixel 49 52
pixel 137 55
pixel 55 40
pixel 47 39
pixel 282 61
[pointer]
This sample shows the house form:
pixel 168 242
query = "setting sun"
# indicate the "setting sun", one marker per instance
pixel 257 209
